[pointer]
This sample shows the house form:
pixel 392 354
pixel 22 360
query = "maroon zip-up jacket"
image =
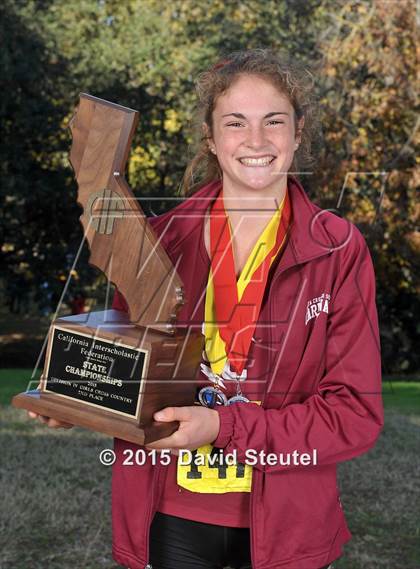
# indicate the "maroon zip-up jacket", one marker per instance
pixel 316 348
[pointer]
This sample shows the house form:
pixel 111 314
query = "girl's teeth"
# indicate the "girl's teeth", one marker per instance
pixel 256 161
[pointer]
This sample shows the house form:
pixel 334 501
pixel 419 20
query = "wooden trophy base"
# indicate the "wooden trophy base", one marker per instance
pixel 105 374
pixel 98 420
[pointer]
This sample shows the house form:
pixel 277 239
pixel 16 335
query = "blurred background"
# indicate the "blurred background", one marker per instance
pixel 145 54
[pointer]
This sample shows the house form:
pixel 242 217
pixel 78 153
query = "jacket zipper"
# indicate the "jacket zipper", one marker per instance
pixel 252 517
pixel 257 474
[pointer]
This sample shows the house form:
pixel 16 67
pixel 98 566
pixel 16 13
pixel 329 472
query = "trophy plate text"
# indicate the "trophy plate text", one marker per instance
pixel 96 371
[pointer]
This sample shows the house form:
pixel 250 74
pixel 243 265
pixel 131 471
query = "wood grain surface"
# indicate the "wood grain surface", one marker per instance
pixel 168 380
pixel 122 243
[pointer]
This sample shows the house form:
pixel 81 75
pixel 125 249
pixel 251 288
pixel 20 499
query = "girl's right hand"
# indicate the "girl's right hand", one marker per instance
pixel 53 423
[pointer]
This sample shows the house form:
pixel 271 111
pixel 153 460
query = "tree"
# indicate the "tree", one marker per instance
pixel 36 199
pixel 369 105
pixel 145 54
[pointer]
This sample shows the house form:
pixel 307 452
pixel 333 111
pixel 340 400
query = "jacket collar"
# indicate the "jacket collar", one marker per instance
pixel 307 239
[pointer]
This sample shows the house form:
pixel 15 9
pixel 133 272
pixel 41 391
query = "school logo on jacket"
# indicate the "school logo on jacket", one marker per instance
pixel 317 305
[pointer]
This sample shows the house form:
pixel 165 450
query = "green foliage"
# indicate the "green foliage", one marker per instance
pixel 145 54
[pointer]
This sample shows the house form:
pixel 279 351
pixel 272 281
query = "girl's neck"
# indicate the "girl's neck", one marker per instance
pixel 240 200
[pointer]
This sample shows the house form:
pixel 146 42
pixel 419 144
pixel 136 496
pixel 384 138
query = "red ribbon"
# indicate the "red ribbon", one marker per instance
pixel 237 319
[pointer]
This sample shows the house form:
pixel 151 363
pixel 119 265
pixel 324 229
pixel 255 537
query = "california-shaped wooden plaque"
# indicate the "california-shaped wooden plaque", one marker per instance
pixel 110 371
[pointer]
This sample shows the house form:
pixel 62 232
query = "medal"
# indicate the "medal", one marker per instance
pixel 238 399
pixel 212 397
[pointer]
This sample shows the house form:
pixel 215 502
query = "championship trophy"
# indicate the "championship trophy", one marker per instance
pixel 110 371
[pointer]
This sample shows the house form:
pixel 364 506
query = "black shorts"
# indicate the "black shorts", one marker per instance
pixel 177 543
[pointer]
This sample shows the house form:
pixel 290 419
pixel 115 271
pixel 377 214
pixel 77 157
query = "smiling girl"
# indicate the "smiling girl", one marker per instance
pixel 284 294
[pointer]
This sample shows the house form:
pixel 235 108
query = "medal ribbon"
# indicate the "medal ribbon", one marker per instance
pixel 237 304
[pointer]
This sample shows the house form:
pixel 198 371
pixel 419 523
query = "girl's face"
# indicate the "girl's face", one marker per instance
pixel 254 135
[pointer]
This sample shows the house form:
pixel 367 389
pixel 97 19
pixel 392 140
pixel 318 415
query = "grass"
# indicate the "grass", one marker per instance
pixel 380 495
pixel 403 396
pixel 13 381
pixel 56 495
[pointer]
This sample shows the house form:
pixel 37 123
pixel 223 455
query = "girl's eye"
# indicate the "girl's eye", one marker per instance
pixel 274 121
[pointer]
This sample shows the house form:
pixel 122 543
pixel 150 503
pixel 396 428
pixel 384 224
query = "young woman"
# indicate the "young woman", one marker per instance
pixel 290 380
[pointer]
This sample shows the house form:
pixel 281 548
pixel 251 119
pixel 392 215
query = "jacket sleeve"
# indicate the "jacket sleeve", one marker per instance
pixel 344 417
pixel 119 302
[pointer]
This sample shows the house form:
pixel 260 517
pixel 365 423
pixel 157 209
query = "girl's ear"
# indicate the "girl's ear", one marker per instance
pixel 207 135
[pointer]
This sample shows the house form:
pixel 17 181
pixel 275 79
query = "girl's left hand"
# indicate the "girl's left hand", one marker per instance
pixel 198 426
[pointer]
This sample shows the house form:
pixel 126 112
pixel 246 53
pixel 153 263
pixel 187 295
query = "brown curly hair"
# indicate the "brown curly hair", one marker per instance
pixel 291 78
